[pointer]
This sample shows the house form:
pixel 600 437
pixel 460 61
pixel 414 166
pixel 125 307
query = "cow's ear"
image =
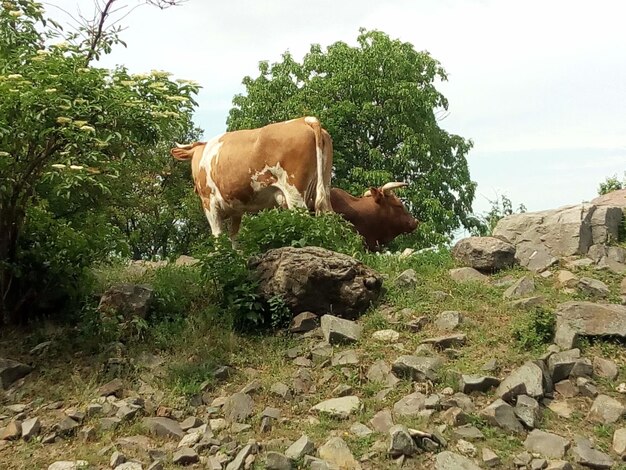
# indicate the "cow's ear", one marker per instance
pixel 377 194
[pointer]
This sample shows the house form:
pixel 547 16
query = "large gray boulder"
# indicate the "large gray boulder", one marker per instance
pixel 12 371
pixel 575 318
pixel 542 237
pixel 128 300
pixel 484 253
pixel 316 280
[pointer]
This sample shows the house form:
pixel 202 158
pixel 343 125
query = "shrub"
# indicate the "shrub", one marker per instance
pixel 534 329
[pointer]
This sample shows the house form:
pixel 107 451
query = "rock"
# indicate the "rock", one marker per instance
pixel 467 275
pixel 277 461
pixel 458 399
pixel 448 341
pixel 490 366
pixel 382 421
pixel 336 452
pixel 346 357
pixel 127 412
pixel 477 383
pixel 108 424
pixel 12 431
pixel 386 336
pixel 567 279
pixel 582 368
pixel 560 364
pixel 538 464
pixel 454 416
pixel 303 322
pixel 316 280
pixel 501 414
pixel 528 411
pixel 238 407
pixel 69 465
pixel 606 410
pixel 66 427
pixel 410 405
pixel 12 371
pixel 130 466
pixel 417 368
pixel 604 368
pixel 339 407
pixel 380 371
pixel 185 456
pixel 407 278
pixel 490 458
pixel 546 444
pixel 487 254
pixel 566 389
pixel 30 428
pixel 469 433
pixel 242 457
pixel 466 448
pixel 562 408
pixel 300 448
pixel 587 456
pixel 448 320
pixel 117 458
pixel 190 439
pixel 521 288
pixel 338 330
pixel 619 442
pixel 87 434
pixel 559 465
pixel 447 460
pixel 401 442
pixel 163 427
pixel 114 387
pixel 593 287
pixel 528 302
pixel 586 388
pixel 525 380
pixel 360 430
pixel 126 300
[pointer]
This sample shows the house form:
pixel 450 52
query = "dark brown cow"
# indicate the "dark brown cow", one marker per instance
pixel 379 216
pixel 286 164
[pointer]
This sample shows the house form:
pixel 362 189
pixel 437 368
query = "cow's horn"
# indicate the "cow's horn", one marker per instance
pixel 393 185
pixel 181 146
pixel 367 193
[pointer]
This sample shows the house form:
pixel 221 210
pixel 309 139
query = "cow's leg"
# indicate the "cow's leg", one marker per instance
pixel 216 221
pixel 235 223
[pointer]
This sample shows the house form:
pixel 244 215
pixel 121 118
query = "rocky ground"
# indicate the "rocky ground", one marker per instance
pixel 451 370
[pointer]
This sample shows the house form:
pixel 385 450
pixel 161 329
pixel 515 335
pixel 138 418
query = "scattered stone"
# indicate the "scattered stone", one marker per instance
pixel 338 330
pixel 490 366
pixel 303 322
pixel 566 278
pixel 447 460
pixel 185 456
pixel 163 427
pixel 578 318
pixel 566 389
pixel 454 416
pixel 619 442
pixel 67 426
pixel 467 275
pixel 12 371
pixel 417 368
pixel 446 342
pixel 586 388
pixel 12 431
pixel 300 448
pixel 448 320
pixel 528 302
pixel 560 364
pixel 128 300
pixel 469 433
pixel 69 465
pixel 401 442
pixel 546 444
pixel 477 383
pixel 344 358
pixel 336 452
pixel 487 254
pixel 521 288
pixel 528 411
pixel 131 466
pixel 593 287
pixel 526 380
pixel 407 278
pixel 339 407
pixel 277 461
pixel 108 424
pixel 238 407
pixel 360 430
pixel 114 387
pixel 604 368
pixel 587 456
pixel 582 368
pixel 30 428
pixel 501 414
pixel 117 458
pixel 386 336
pixel 606 410
pixel 87 434
pixel 380 371
pixel 342 390
pixel 242 457
pixel 382 421
pixel 466 448
pixel 410 405
pixel 561 408
pixel 490 458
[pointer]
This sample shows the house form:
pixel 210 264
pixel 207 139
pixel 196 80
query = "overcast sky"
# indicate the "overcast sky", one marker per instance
pixel 539 86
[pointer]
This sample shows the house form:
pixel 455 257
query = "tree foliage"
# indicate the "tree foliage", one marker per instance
pixel 612 183
pixel 501 207
pixel 69 132
pixel 380 104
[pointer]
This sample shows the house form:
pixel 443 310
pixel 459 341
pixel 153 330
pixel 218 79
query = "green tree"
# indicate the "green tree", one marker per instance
pixel 612 183
pixel 379 102
pixel 501 207
pixel 68 131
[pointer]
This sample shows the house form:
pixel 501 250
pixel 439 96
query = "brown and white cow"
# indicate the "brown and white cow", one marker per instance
pixel 286 164
pixel 379 216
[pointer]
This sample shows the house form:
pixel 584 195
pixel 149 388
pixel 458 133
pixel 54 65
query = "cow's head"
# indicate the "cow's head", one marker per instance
pixel 391 214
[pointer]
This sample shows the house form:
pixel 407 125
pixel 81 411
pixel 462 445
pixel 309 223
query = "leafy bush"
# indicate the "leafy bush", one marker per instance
pixel 534 329
pixel 612 183
pixel 276 228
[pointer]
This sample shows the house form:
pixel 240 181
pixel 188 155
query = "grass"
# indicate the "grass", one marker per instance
pixel 192 337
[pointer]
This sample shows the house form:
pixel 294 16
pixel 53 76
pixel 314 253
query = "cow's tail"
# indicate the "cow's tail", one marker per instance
pixel 184 151
pixel 324 157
